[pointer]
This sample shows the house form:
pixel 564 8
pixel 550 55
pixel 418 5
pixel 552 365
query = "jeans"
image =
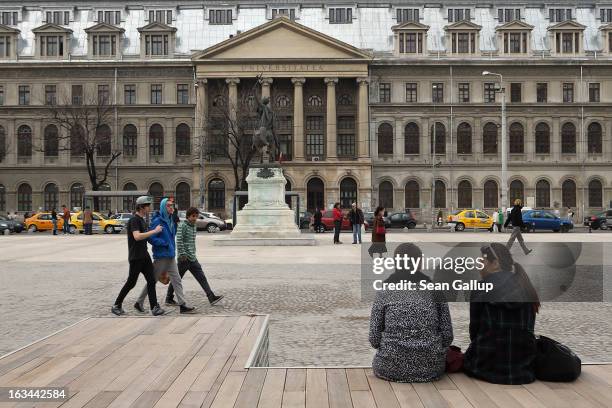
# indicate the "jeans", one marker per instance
pixel 54 227
pixel 198 273
pixel 144 266
pixel 66 227
pixel 516 234
pixel 169 265
pixel 357 233
pixel 337 227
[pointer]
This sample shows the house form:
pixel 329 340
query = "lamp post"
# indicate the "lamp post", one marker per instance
pixel 504 143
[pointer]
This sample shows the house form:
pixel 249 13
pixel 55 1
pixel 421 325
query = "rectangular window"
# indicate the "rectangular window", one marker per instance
pixel 610 42
pixel 346 137
pixel 410 43
pixel 594 92
pixel 515 92
pixel 156 44
pixel 567 43
pixel 156 94
pixel 129 94
pixel 411 92
pixel 568 92
pixel 1 95
pixel 384 92
pixel 285 136
pixel 104 45
pixel 557 15
pixel 506 15
pixel 219 17
pixel 5 46
pixel 50 95
pixel 51 45
pixel 464 92
pixel 464 43
pixel 8 18
pixel 24 94
pixel 109 17
pixel 77 95
pixel 407 14
pixel 437 92
pixel 182 94
pixel 341 15
pixel 287 12
pixel 542 92
pixel 489 92
pixel 455 15
pixel 160 16
pixel 515 43
pixel 103 94
pixel 606 15
pixel 58 17
pixel 315 140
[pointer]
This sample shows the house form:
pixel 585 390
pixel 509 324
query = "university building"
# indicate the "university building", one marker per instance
pixel 380 102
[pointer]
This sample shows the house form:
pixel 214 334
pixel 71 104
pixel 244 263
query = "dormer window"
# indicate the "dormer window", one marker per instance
pixel 104 41
pixel 112 17
pixel 566 38
pixel 514 38
pixel 8 41
pixel 463 38
pixel 52 41
pixel 160 16
pixel 157 40
pixel 9 18
pixel 58 17
pixel 340 15
pixel 458 14
pixel 506 15
pixel 405 15
pixel 220 17
pixel 558 15
pixel 288 12
pixel 606 36
pixel 410 38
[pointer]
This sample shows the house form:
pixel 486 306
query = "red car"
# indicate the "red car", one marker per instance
pixel 327 222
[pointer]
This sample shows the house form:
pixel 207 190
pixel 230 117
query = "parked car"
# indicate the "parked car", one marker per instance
pixel 100 223
pixel 42 222
pixel 400 220
pixel 123 218
pixel 545 220
pixel 206 221
pixel 11 225
pixel 305 220
pixel 369 217
pixel 602 220
pixel 327 222
pixel 462 219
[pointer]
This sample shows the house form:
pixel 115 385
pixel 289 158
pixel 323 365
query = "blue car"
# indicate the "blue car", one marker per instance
pixel 545 220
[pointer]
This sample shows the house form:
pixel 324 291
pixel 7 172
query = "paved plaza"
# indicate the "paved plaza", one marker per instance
pixel 311 293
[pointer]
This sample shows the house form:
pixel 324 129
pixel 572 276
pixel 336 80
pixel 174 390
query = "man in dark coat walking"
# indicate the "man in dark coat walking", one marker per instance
pixel 516 217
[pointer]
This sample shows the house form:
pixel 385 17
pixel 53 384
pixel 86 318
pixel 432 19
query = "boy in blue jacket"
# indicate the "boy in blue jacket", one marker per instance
pixel 164 252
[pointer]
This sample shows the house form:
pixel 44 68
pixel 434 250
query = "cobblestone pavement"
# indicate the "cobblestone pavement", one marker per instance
pixel 312 294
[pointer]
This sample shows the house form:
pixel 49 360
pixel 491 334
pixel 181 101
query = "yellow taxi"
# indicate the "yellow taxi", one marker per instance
pixel 100 223
pixel 462 219
pixel 42 222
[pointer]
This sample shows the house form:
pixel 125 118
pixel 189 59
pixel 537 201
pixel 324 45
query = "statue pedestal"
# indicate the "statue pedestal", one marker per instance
pixel 266 219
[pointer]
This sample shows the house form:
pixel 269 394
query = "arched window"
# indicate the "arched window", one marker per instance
pixel 2 198
pixel 24 197
pixel 438 133
pixel 385 194
pixel 77 141
pixel 130 140
pixel 594 138
pixel 412 197
pixel 50 197
pixel 51 141
pixel 156 140
pixel 595 194
pixel 568 138
pixel 182 196
pixel 157 192
pixel 542 194
pixel 103 140
pixel 489 138
pixel 315 101
pixel 464 138
pixel 568 193
pixel 129 202
pixel 216 194
pixel 490 194
pixel 283 101
pixel 76 195
pixel 464 194
pixel 348 192
pixel 412 136
pixel 385 139
pixel 24 141
pixel 516 191
pixel 183 140
pixel 104 203
pixel 345 99
pixel 315 194
pixel 440 194
pixel 517 138
pixel 542 138
pixel 2 144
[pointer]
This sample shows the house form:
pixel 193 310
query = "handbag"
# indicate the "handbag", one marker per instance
pixel 454 359
pixel 380 229
pixel 555 362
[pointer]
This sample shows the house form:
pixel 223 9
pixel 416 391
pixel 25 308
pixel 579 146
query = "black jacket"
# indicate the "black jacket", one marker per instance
pixel 516 217
pixel 356 216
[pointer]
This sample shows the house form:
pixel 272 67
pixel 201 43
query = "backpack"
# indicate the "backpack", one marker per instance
pixel 555 361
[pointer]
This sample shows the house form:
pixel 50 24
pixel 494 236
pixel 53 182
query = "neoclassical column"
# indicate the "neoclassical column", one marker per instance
pixel 199 133
pixel 555 147
pixel 331 118
pixel 265 87
pixel 362 117
pixel 398 140
pixel 298 118
pixel 232 96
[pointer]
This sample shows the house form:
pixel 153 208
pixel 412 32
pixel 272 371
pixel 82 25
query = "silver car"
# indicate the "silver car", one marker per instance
pixel 206 221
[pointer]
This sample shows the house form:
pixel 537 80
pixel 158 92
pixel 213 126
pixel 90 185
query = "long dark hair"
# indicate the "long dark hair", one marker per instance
pixel 337 205
pixel 378 209
pixel 506 263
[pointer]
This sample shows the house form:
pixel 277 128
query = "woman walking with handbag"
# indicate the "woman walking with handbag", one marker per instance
pixel 378 233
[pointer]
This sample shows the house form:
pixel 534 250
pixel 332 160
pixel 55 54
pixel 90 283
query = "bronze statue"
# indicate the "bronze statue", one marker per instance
pixel 264 139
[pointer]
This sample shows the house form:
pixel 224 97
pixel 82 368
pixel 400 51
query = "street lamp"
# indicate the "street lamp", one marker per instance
pixel 504 144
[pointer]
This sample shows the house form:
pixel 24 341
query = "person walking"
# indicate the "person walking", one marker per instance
pixel 87 221
pixel 356 218
pixel 338 216
pixel 164 252
pixel 54 220
pixel 66 217
pixel 516 217
pixel 500 219
pixel 139 258
pixel 570 213
pixel 317 220
pixel 187 260
pixel 378 233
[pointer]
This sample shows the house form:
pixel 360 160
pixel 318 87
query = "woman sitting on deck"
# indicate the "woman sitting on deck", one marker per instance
pixel 410 329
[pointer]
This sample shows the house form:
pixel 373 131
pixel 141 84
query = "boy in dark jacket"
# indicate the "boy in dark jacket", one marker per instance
pixel 356 218
pixel 516 217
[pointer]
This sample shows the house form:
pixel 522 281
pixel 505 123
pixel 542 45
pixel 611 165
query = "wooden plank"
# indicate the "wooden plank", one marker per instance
pixel 357 379
pixel 216 386
pixel 588 386
pixel 381 391
pixel 525 398
pixel 272 391
pixel 362 399
pixel 430 396
pixel 147 399
pixel 244 347
pixel 46 372
pixel 251 388
pixel 24 356
pixel 23 369
pixel 455 398
pixel 184 324
pixel 406 395
pixel 472 391
pixel 498 393
pixel 598 372
pixel 102 399
pixel 192 399
pixel 574 399
pixel 178 389
pixel 545 395
pixel 445 383
pixel 337 388
pixel 132 372
pixel 229 390
pixel 294 393
pixel 316 388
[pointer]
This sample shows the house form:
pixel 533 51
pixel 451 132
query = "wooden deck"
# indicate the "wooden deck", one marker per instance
pixel 200 362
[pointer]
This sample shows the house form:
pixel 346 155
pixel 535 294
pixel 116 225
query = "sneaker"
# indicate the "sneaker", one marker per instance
pixel 171 302
pixel 214 300
pixel 529 251
pixel 117 310
pixel 139 307
pixel 187 310
pixel 354 242
pixel 158 311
